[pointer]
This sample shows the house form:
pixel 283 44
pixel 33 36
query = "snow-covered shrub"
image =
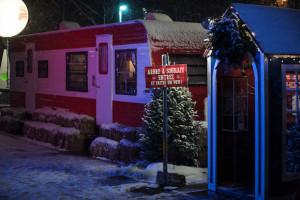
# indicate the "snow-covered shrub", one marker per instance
pixel 183 140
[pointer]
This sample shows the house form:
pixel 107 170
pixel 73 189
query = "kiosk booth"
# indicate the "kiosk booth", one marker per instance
pixel 254 112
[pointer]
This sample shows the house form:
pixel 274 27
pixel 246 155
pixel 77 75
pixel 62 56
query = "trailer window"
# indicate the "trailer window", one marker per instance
pixel 126 62
pixel 19 68
pixel 77 71
pixel 196 67
pixel 43 68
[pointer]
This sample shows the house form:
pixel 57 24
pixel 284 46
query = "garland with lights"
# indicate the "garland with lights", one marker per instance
pixel 229 40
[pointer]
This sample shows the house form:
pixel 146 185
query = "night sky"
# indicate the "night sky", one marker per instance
pixel 46 15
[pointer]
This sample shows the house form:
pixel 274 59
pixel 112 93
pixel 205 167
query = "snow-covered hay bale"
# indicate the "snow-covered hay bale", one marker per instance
pixel 69 139
pixel 65 118
pixel 39 130
pixel 19 113
pixel 65 138
pixel 104 147
pixel 6 112
pixel 129 151
pixel 118 132
pixel 11 125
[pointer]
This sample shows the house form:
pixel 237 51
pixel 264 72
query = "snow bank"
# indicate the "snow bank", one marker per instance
pixel 203 124
pixel 193 175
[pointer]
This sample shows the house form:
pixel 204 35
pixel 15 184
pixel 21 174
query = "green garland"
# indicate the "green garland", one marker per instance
pixel 229 40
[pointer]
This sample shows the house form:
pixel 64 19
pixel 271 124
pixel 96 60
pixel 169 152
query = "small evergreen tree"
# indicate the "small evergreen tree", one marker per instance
pixel 183 134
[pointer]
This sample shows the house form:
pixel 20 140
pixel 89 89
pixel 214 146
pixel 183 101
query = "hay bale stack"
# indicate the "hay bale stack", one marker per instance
pixel 18 113
pixel 104 147
pixel 65 138
pixel 6 112
pixel 129 151
pixel 39 131
pixel 10 124
pixel 118 132
pixel 65 118
pixel 69 139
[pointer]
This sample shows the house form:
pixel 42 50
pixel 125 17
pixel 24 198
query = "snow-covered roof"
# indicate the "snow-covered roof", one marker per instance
pixel 277 30
pixel 184 35
pixel 158 17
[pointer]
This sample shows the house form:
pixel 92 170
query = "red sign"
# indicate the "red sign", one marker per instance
pixel 166 76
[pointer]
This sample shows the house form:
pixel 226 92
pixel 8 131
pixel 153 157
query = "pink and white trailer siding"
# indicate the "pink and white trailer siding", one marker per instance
pixel 148 38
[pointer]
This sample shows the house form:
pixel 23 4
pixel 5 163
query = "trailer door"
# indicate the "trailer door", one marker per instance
pixel 103 80
pixel 30 77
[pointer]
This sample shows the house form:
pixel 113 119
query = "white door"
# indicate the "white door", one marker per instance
pixel 103 80
pixel 30 77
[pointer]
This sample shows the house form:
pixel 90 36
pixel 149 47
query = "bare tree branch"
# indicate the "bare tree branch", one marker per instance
pixel 83 12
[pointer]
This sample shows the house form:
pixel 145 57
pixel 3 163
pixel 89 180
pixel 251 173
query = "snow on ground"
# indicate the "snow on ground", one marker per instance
pixel 193 175
pixel 30 171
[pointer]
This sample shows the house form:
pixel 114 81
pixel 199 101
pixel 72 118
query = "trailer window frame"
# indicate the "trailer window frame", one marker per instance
pixel 20 68
pixel 126 82
pixel 43 69
pixel 72 83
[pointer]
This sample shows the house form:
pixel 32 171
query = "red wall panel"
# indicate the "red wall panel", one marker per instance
pixel 80 38
pixel 128 113
pixel 198 94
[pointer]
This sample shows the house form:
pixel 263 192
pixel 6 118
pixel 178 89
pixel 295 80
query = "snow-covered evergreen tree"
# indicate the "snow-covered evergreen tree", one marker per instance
pixel 183 134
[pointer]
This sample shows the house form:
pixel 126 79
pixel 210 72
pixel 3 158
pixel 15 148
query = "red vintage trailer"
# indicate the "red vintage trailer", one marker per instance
pixel 99 70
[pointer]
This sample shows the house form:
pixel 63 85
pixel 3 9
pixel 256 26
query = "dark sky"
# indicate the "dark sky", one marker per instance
pixel 46 15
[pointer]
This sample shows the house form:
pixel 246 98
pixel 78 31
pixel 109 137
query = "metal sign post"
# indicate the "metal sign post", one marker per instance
pixel 165 59
pixel 165 76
